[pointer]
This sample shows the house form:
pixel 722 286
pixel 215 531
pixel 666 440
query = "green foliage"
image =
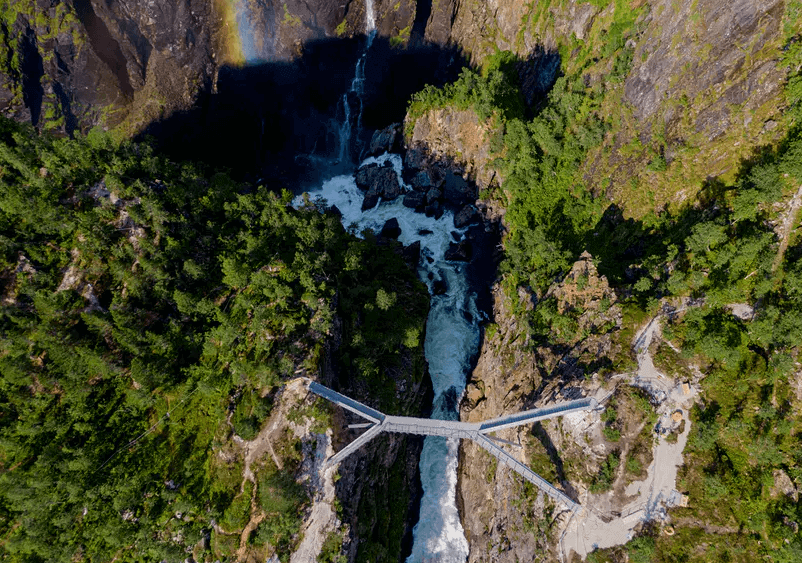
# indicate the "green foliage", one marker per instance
pixel 142 299
pixel 331 550
pixel 492 92
pixel 604 480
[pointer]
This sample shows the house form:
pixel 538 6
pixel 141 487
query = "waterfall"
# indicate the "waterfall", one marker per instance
pixel 370 16
pixel 452 340
pixel 353 120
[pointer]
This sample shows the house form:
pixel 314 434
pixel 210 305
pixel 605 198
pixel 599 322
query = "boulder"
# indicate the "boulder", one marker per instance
pixel 414 200
pixel 434 209
pixel 422 181
pixel 378 182
pixel 457 191
pixel 439 287
pixel 391 229
pixel 387 184
pixel 365 176
pixel 415 158
pixel 459 252
pixel 385 140
pixel 465 216
pixel 433 195
pixel 370 201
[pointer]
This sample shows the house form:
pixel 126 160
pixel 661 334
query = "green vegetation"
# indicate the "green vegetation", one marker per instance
pixel 330 553
pixel 49 23
pixel 604 480
pixel 401 38
pixel 727 246
pixel 141 300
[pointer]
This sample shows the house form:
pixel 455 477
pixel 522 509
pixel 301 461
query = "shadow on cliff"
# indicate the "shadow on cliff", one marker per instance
pixel 281 120
pixel 543 437
pixel 628 251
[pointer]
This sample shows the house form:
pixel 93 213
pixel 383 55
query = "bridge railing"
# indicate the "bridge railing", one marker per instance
pixel 517 466
pixel 534 415
pixel 346 402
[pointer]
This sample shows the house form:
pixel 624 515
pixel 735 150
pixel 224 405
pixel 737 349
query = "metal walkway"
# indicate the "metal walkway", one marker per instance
pixel 478 432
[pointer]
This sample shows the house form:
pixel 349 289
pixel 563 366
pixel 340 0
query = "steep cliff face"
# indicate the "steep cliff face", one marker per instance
pixel 450 133
pixel 75 64
pixel 505 518
pixel 701 85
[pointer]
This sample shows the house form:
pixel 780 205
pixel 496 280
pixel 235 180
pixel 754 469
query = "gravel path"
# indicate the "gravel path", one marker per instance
pixel 588 529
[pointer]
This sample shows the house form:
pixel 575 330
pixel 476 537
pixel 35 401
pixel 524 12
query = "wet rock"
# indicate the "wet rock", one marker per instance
pixel 414 200
pixel 365 176
pixel 424 232
pixel 466 216
pixel 422 181
pixel 439 287
pixel 379 182
pixel 385 140
pixel 459 251
pixel 415 158
pixel 370 201
pixel 434 209
pixel 457 191
pixel 334 210
pixel 433 195
pixel 391 229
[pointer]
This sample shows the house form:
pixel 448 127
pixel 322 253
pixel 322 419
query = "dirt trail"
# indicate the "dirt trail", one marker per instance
pixel 588 530
pixel 322 519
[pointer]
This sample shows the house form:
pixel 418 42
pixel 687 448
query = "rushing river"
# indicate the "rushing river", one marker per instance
pixel 452 330
pixel 452 340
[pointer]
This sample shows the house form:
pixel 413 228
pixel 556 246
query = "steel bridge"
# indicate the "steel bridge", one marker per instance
pixel 479 432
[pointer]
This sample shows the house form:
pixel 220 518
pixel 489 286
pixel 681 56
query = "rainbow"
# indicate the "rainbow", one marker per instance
pixel 244 27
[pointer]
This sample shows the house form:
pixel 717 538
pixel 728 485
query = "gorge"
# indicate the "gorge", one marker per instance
pixel 454 209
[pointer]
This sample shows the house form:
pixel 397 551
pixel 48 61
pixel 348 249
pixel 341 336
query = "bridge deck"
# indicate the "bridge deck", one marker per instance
pixel 346 402
pixel 429 426
pixel 528 417
pixel 456 429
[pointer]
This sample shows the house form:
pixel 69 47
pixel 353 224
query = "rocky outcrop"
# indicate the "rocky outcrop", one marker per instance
pixel 385 140
pixel 673 47
pixel 500 515
pixel 377 182
pixel 86 62
pixel 452 135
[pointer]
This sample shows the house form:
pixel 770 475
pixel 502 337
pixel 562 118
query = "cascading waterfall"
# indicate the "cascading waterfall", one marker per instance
pixel 452 333
pixel 356 91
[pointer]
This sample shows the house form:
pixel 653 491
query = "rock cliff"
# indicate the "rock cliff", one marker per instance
pixel 702 88
pixel 75 64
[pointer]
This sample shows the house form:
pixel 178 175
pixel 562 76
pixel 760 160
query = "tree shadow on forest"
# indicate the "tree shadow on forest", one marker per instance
pixel 626 250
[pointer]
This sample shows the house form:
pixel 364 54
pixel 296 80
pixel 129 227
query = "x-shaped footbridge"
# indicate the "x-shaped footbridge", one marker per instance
pixel 479 432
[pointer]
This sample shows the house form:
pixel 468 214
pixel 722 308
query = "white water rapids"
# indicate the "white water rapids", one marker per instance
pixel 452 329
pixel 452 339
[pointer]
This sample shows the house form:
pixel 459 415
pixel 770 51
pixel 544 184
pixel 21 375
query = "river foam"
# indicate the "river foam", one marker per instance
pixel 452 340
